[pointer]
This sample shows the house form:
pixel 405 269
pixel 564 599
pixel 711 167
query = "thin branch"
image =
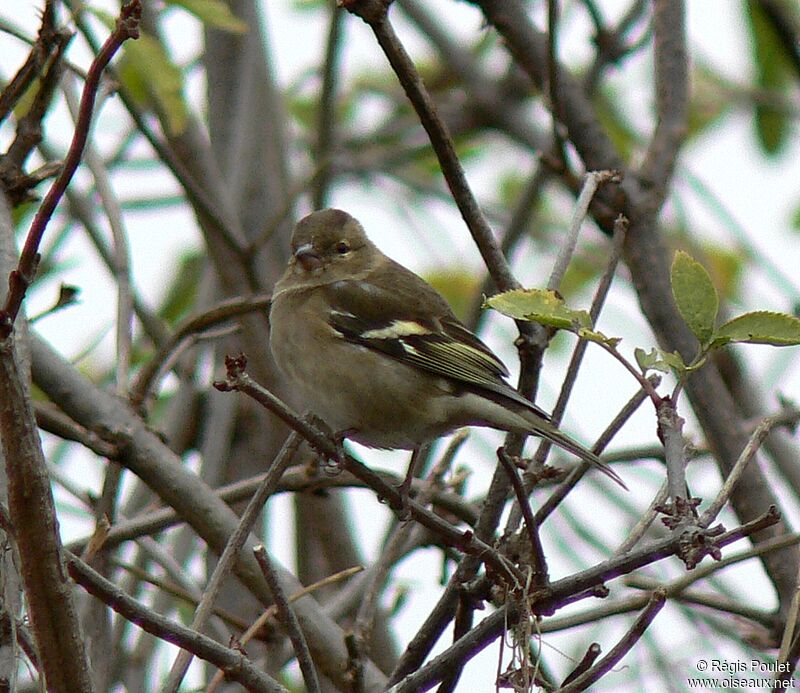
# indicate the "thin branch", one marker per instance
pixel 592 653
pixel 327 110
pixel 552 81
pixel 374 13
pixel 21 278
pixel 289 620
pixel 257 625
pixel 547 599
pixel 146 455
pixel 593 180
pixel 787 417
pixel 222 312
pixel 121 268
pixel 235 665
pixel 579 470
pixel 540 574
pixel 603 287
pixel 31 70
pixel 173 589
pixel 229 555
pixel 396 545
pixel 611 45
pixel 672 97
pixel 201 200
pixel 645 520
pixel 294 480
pixel 636 631
pixel 51 608
pixel 670 430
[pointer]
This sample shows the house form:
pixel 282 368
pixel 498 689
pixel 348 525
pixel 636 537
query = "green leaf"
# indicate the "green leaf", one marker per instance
pixel 760 327
pixel 598 337
pixel 725 267
pixel 773 73
pixel 616 122
pixel 182 292
pixel 658 360
pixel 540 305
pixel 710 100
pixel 695 295
pixel 459 287
pixel 213 13
pixel 154 81
pixel 796 218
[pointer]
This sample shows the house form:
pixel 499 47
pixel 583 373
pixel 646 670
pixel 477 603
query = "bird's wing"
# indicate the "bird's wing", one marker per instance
pixel 412 323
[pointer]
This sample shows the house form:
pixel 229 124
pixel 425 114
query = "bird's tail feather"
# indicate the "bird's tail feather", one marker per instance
pixel 548 431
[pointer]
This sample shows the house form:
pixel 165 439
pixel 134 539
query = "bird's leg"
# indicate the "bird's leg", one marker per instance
pixel 335 466
pixel 404 489
pixel 330 466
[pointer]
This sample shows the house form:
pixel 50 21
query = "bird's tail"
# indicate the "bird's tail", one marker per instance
pixel 545 429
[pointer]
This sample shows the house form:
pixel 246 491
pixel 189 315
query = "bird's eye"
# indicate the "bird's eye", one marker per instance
pixel 342 247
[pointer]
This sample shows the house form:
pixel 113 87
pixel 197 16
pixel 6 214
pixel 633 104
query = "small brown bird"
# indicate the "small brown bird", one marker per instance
pixel 378 354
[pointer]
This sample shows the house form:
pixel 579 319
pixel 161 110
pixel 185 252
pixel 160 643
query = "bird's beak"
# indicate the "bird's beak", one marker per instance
pixel 308 258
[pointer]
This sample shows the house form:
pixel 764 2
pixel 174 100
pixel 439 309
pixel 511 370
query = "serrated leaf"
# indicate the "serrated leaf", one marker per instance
pixel 695 295
pixel 213 13
pixel 658 360
pixel 540 305
pixel 760 327
pixel 598 337
pixel 646 360
pixel 154 81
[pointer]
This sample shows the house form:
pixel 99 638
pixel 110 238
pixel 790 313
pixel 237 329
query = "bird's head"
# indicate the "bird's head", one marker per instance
pixel 330 242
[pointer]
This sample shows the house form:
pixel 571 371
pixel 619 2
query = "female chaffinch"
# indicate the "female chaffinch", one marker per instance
pixel 378 354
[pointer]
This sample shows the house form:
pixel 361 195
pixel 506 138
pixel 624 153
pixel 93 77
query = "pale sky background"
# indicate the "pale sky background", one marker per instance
pixel 760 195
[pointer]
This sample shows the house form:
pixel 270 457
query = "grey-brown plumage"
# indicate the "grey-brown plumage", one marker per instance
pixel 377 352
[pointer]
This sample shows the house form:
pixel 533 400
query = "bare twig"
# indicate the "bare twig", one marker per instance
pixel 647 518
pixel 41 50
pixel 540 575
pixel 582 682
pixel 327 112
pixel 21 278
pixel 121 268
pixel 756 439
pixel 592 653
pixel 374 13
pixel 670 430
pixel 579 470
pixel 603 287
pixel 295 480
pixel 567 249
pixel 289 620
pixel 215 315
pixel 235 665
pixel 672 96
pixel 261 621
pixel 232 548
pixel 202 201
pixel 552 80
